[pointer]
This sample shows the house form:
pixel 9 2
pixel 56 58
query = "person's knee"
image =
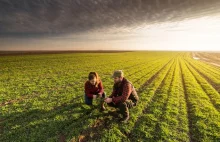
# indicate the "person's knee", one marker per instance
pixel 126 105
pixel 111 104
pixel 122 105
pixel 88 101
pixel 123 109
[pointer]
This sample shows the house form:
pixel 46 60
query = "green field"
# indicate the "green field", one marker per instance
pixel 42 97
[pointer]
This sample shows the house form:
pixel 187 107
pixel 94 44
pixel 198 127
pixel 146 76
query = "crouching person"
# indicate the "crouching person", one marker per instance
pixel 124 95
pixel 94 89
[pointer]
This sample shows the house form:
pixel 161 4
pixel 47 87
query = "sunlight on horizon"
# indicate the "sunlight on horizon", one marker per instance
pixel 201 34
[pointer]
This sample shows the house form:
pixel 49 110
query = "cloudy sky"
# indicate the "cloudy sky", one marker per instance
pixel 109 25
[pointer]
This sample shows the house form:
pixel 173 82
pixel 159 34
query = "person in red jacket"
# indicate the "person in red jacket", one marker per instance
pixel 94 89
pixel 124 95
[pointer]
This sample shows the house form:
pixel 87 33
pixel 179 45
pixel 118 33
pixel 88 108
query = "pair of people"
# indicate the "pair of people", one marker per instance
pixel 123 96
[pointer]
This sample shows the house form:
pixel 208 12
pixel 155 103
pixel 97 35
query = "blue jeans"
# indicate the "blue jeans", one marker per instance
pixel 88 100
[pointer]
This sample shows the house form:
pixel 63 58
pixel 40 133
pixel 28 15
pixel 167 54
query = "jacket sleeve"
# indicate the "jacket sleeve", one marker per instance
pixel 101 88
pixel 125 95
pixel 88 91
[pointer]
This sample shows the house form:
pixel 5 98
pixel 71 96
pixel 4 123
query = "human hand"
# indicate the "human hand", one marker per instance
pixel 108 100
pixel 100 95
pixel 94 96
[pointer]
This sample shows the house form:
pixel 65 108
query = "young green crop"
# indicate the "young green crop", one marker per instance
pixel 203 117
pixel 42 97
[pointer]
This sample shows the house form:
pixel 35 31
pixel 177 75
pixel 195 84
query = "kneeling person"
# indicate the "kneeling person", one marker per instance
pixel 124 95
pixel 94 89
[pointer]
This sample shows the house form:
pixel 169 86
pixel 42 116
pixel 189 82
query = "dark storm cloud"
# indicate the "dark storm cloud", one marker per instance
pixel 43 17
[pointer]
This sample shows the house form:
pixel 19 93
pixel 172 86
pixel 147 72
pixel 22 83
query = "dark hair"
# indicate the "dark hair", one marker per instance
pixel 93 75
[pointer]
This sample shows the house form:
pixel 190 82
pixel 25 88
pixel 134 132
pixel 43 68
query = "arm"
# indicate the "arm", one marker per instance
pixel 87 90
pixel 125 95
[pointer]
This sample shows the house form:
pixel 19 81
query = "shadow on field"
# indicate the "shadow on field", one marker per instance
pixel 93 132
pixel 43 125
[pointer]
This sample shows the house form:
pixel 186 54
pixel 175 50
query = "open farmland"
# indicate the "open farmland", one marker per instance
pixel 42 97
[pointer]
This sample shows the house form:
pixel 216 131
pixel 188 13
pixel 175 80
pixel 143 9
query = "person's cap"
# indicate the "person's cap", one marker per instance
pixel 118 73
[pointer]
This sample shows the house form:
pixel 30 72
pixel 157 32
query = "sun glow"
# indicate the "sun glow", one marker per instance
pixel 200 34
